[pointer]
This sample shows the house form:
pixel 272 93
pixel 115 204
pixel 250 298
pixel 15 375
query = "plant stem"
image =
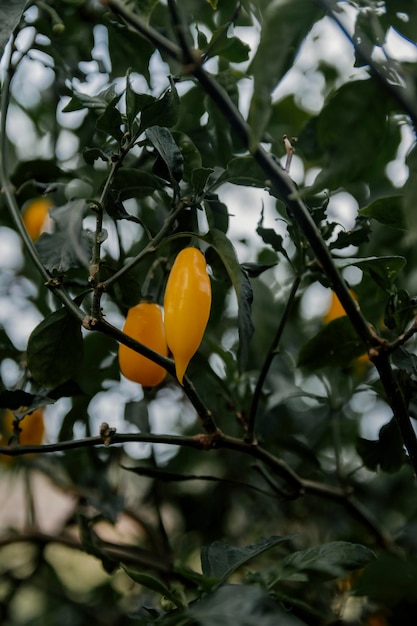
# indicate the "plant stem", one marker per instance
pixel 272 352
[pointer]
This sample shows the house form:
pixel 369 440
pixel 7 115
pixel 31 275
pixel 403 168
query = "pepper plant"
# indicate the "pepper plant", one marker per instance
pixel 275 485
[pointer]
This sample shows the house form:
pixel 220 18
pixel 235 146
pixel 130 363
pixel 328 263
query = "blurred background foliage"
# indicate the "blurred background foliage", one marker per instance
pixel 151 532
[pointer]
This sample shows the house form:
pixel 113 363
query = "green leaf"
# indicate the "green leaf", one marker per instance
pixel 69 246
pixel 349 148
pixel 99 103
pixel 132 183
pixel 286 23
pixel 337 344
pixel 410 197
pixel 110 121
pixel 383 270
pixel 243 605
pixel 245 324
pixel 240 281
pixel 191 156
pixel 164 144
pixel 11 12
pixel 327 561
pixel 386 452
pixel 243 171
pixel 55 349
pixel 230 48
pixel 150 582
pixel 162 112
pixel 390 580
pixel 219 560
pixel 388 211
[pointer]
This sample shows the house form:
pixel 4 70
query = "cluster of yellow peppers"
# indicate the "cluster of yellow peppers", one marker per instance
pixel 180 330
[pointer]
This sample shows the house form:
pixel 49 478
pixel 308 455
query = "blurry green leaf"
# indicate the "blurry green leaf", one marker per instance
pixel 122 41
pixel 162 112
pixel 405 360
pixel 132 183
pixel 243 171
pixel 388 211
pixel 199 178
pixel 99 103
pixel 110 121
pixel 191 156
pixel 7 349
pixel 286 23
pixel 387 451
pixel 384 269
pixel 10 11
pixel 245 324
pixel 150 582
pixel 355 237
pixel 389 580
pixel 349 148
pixel 55 349
pixel 230 48
pixel 17 398
pixel 217 213
pixel 410 196
pixel 254 270
pixel 164 144
pixel 69 246
pixel 337 344
pixel 224 248
pixel 219 560
pixel 245 605
pixel 327 561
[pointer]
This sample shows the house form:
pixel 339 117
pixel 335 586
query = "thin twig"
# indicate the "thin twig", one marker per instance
pixel 277 466
pixel 272 352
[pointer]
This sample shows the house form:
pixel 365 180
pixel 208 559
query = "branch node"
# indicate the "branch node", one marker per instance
pixel 106 433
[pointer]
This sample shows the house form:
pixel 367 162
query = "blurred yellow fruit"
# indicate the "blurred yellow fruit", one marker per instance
pixel 35 216
pixel 32 429
pixel 335 311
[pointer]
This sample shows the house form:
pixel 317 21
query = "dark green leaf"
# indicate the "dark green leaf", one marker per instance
pixel 69 246
pixel 328 561
pixel 337 344
pixel 245 605
pixel 245 324
pixel 410 196
pixel 243 171
pixel 386 452
pixel 55 349
pixel 219 560
pixel 150 582
pixel 110 121
pixel 389 580
pixel 286 24
pixel 164 144
pixel 217 213
pixel 11 12
pixel 162 112
pixel 230 48
pixel 388 211
pixel 348 148
pixel 253 270
pixel 405 360
pixel 355 237
pixel 384 269
pixel 133 183
pixel 192 161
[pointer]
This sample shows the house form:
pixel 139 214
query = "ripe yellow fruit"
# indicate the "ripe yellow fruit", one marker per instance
pixel 144 323
pixel 35 216
pixel 187 304
pixel 32 429
pixel 335 311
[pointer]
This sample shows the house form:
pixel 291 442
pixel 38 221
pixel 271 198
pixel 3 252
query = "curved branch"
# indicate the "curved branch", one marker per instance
pixel 297 485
